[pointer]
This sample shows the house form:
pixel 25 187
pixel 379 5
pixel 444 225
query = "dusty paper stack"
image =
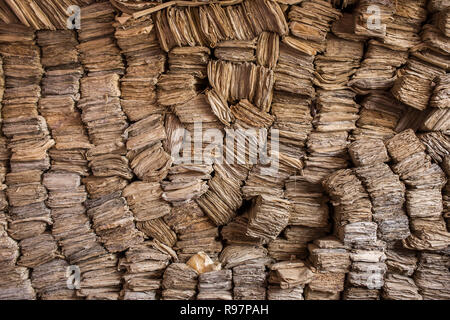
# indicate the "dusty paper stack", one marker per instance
pixel 248 264
pixel 386 192
pixel 424 181
pixel 99 92
pixel 415 85
pixel 194 231
pixel 144 265
pixel 179 282
pixel 15 282
pixel 433 274
pixel 28 141
pixel 330 260
pixel 379 116
pixel 287 280
pixel 71 227
pixel 398 283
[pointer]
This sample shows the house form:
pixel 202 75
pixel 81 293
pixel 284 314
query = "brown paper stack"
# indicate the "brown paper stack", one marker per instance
pixel 424 182
pixel 386 192
pixel 331 261
pixel 144 265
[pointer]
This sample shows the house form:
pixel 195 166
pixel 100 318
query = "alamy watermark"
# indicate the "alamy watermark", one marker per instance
pixel 236 146
pixel 74 20
pixel 73 275
pixel 374 19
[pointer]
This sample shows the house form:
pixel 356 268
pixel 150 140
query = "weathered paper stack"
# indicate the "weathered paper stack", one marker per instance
pixel 432 275
pixel 145 62
pixel 28 141
pixel 415 85
pixel 105 120
pixel 365 25
pixel 15 283
pixel 353 215
pixel 340 60
pixel 195 232
pixel 379 116
pixel 309 23
pixel 223 197
pixel 144 265
pixel 215 285
pixel 424 182
pixel 398 283
pixel 268 217
pixel 179 282
pixel 71 226
pixel 368 268
pixel 386 192
pixel 287 280
pixel 402 32
pixel 378 70
pixel 249 281
pixel 331 261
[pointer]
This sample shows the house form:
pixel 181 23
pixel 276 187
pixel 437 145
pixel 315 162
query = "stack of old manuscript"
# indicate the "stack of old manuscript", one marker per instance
pixel 28 140
pixel 378 69
pixel 194 230
pixel 239 81
pixel 186 26
pixel 309 24
pixel 287 280
pixel 432 275
pixel 106 122
pixel 224 197
pixel 437 146
pixel 367 270
pixel 99 53
pixel 14 283
pixel 379 116
pixel 386 192
pixel 339 62
pixel 189 60
pixel 236 50
pixel 365 26
pixel 248 262
pixel 353 209
pixel 144 265
pixel 179 282
pixel 424 182
pixel 441 94
pixel 331 261
pixel 437 117
pixel 215 285
pixel 71 226
pixel 402 32
pixel 287 77
pixel 415 85
pixel 145 62
pixel 398 283
pixel 50 281
pixel 336 115
pixel 268 216
pixel 249 281
pixel 293 121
